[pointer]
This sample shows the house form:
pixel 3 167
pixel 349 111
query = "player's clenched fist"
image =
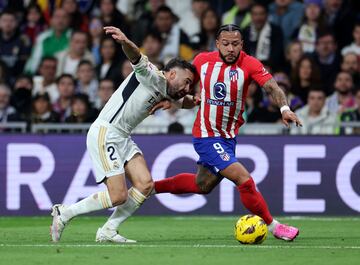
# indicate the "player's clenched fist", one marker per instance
pixel 116 34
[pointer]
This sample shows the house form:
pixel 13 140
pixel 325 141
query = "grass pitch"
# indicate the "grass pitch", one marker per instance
pixel 178 240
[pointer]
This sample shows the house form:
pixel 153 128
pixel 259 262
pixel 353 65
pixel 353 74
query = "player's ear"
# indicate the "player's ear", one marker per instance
pixel 172 74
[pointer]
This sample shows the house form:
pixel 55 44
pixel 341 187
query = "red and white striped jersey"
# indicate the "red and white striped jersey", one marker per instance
pixel 223 90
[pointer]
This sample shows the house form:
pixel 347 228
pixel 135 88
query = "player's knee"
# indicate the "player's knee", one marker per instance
pixel 145 187
pixel 205 187
pixel 118 198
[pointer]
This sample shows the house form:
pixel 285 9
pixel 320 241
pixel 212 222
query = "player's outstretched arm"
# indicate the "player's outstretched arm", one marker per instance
pixel 278 95
pixel 130 49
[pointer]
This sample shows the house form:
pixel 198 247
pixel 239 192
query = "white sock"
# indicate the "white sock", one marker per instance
pixel 97 201
pixel 272 225
pixel 125 210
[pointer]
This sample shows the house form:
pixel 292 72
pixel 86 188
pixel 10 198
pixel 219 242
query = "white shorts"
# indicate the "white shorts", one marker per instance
pixel 109 150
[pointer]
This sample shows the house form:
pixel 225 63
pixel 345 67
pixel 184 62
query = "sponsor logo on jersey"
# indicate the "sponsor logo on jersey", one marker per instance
pixel 225 156
pixel 219 90
pixel 220 103
pixel 234 75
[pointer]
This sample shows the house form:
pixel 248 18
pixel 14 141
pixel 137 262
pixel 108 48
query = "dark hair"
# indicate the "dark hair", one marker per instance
pixel 229 28
pixel 85 62
pixel 317 88
pixel 155 35
pixel 177 62
pixel 166 9
pixel 264 6
pixel 84 98
pixel 48 58
pixel 8 11
pixel 66 76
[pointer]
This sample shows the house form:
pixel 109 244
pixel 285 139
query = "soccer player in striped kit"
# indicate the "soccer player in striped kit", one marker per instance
pixel 224 78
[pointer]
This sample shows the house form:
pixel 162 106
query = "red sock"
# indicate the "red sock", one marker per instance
pixel 179 184
pixel 254 201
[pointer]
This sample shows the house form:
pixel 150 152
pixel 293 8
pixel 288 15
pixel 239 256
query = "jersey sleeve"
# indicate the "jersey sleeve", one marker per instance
pixel 257 71
pixel 147 73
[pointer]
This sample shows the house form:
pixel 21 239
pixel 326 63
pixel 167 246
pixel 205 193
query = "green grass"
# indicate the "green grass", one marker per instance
pixel 177 240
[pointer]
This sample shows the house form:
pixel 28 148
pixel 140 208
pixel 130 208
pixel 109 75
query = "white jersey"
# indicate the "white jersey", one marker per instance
pixel 135 97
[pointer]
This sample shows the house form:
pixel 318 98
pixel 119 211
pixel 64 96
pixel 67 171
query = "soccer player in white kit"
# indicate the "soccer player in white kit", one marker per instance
pixel 111 148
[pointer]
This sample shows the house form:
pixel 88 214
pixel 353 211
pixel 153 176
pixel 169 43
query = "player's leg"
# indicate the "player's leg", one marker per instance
pixel 138 173
pixel 254 201
pixel 104 161
pixel 203 182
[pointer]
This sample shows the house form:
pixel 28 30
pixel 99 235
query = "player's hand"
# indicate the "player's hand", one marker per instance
pixel 164 104
pixel 116 34
pixel 289 116
pixel 196 100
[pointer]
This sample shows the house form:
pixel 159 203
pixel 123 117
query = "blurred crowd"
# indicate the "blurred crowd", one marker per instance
pixel 57 66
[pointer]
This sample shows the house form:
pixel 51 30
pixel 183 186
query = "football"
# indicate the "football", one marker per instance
pixel 250 229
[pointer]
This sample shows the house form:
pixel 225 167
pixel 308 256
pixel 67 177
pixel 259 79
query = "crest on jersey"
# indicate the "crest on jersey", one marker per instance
pixel 225 156
pixel 219 90
pixel 234 75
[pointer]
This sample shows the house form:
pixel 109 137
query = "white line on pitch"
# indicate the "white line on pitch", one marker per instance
pixel 176 246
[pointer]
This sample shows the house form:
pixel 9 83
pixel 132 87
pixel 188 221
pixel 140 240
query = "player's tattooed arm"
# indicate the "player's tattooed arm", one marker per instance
pixel 278 95
pixel 130 49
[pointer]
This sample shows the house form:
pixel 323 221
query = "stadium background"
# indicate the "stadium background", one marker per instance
pixel 54 78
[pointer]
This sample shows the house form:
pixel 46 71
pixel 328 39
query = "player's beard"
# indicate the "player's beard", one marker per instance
pixel 229 62
pixel 172 94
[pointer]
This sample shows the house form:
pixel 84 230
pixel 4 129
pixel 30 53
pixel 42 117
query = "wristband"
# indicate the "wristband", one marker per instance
pixel 284 108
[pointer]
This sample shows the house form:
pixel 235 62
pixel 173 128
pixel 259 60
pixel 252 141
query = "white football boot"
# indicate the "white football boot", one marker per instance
pixel 107 235
pixel 58 223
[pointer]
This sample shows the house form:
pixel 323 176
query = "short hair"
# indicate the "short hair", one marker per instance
pixel 85 62
pixel 48 58
pixel 8 11
pixel 317 88
pixel 65 76
pixel 265 7
pixel 155 35
pixel 180 63
pixel 229 28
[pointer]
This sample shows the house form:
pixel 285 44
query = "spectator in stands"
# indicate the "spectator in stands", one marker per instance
pixel 106 89
pixel 176 120
pixel 111 16
pixel 268 112
pixel 355 45
pixel 315 116
pixel 4 77
pixel 86 80
pixel 342 99
pixel 34 22
pixel 340 18
pixel 66 86
pixel 152 46
pixel 78 21
pixel 263 39
pixel 21 98
pixel 68 60
pixel 239 14
pixel 109 67
pixel 287 14
pixel 327 58
pixel 305 76
pixel 42 111
pixel 353 115
pixel 176 42
pixel 6 109
pixel 145 20
pixel 81 110
pixel 51 41
pixel 190 21
pixel 253 99
pixel 283 81
pixel 14 46
pixel 312 23
pixel 96 32
pixel 206 39
pixel 351 64
pixel 45 81
pixel 293 54
pixel 126 69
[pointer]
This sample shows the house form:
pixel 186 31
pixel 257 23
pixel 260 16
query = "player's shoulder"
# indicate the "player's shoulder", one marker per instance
pixel 206 57
pixel 249 62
